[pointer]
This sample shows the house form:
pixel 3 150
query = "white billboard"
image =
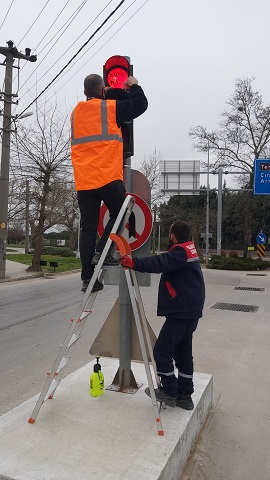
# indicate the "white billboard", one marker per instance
pixel 179 177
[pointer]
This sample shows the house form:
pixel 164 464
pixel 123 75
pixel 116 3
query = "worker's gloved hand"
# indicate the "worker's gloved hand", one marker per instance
pixel 130 81
pixel 127 262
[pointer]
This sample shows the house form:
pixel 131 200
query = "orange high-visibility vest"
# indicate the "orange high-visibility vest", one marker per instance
pixel 96 144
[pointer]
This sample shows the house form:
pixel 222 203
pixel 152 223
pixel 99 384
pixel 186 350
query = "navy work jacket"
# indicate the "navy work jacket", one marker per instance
pixel 181 287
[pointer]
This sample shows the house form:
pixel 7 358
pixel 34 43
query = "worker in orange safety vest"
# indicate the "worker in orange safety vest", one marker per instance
pixel 97 159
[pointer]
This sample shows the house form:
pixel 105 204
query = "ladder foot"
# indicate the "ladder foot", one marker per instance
pixel 31 420
pixel 50 397
pixel 160 430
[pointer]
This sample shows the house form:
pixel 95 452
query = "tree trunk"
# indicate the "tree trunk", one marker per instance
pixel 72 240
pixel 37 239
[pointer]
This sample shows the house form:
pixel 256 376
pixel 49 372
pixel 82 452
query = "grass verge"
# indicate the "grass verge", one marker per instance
pixel 65 264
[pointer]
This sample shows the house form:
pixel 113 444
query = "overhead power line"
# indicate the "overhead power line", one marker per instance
pixel 43 75
pixel 6 14
pixel 74 15
pixel 61 11
pixel 34 22
pixel 47 34
pixel 74 56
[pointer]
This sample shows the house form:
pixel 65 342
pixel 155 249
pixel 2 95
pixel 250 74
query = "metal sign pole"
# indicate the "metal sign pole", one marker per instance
pixel 125 375
pixel 219 212
pixel 207 213
pixel 125 308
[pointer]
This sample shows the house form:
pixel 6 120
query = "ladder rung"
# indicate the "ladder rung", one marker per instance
pixel 52 388
pixel 74 339
pixel 62 364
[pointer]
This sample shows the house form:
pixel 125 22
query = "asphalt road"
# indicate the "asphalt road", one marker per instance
pixel 34 319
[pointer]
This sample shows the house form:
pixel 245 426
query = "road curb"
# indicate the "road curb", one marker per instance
pixel 37 275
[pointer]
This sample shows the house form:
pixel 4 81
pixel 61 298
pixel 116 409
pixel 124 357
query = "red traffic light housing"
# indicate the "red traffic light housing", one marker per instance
pixel 116 71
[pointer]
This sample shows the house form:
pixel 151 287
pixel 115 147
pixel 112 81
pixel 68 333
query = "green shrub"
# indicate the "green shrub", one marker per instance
pixel 59 251
pixel 237 263
pixel 233 254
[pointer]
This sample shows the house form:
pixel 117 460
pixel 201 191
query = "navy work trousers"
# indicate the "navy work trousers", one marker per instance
pixel 175 343
pixel 113 195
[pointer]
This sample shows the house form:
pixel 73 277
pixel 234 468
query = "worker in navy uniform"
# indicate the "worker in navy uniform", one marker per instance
pixel 180 299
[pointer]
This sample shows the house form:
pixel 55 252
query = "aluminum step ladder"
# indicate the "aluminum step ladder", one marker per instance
pixel 77 323
pixel 84 310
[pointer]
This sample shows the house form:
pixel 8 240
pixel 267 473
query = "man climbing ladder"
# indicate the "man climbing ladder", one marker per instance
pixel 97 159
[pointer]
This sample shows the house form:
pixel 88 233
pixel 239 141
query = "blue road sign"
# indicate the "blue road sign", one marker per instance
pixel 261 176
pixel 261 238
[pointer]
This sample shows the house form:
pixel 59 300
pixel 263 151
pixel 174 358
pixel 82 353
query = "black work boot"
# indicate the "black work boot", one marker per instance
pixel 95 258
pixel 184 401
pixel 109 259
pixel 97 286
pixel 163 396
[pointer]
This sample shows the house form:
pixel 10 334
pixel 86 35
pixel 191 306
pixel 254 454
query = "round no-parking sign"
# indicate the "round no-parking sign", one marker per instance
pixel 138 230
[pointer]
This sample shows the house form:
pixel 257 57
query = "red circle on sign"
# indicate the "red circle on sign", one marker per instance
pixel 117 77
pixel 141 209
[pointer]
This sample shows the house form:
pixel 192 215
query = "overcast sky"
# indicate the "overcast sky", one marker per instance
pixel 186 56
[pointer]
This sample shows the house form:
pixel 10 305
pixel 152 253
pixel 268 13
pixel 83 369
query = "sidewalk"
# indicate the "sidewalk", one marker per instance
pixel 18 271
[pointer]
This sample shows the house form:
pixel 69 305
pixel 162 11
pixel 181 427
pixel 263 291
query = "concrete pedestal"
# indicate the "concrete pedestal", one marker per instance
pixel 113 437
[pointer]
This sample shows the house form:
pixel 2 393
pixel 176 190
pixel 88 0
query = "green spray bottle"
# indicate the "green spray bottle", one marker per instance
pixel 97 380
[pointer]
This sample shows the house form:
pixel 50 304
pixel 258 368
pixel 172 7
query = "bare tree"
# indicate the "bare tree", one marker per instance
pixel 149 166
pixel 242 135
pixel 17 199
pixel 43 150
pixel 69 215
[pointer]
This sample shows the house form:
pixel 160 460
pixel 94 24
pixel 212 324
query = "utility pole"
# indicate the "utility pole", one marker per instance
pixel 27 218
pixel 10 52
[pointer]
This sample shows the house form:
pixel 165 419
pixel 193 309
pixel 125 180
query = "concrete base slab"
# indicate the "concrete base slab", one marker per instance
pixel 112 437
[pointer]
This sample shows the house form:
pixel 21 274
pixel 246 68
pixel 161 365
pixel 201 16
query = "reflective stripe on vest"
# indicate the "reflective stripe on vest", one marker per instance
pixel 95 138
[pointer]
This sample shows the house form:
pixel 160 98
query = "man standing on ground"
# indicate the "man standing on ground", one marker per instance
pixel 97 159
pixel 180 299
